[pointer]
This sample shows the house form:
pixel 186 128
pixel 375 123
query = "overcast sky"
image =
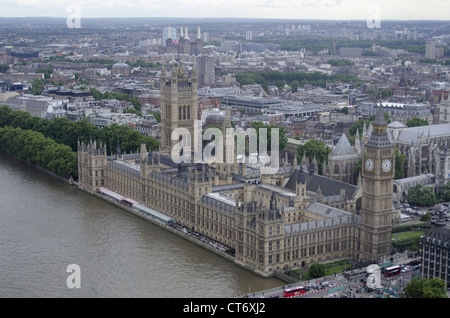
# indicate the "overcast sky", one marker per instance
pixel 281 9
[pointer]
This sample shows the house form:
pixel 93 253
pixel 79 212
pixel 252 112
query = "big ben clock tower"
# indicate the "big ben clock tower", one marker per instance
pixel 377 195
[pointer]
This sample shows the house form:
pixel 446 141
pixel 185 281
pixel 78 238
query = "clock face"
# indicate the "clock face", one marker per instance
pixel 369 164
pixel 386 165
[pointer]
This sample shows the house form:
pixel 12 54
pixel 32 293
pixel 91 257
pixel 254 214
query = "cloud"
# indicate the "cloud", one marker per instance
pixel 289 9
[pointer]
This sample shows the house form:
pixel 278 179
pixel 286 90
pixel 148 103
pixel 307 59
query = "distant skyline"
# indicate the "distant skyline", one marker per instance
pixel 269 9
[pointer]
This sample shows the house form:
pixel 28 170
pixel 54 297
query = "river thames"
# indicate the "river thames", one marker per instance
pixel 48 225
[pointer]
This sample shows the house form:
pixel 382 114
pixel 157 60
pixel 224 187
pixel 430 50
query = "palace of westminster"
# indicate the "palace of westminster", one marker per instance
pixel 285 220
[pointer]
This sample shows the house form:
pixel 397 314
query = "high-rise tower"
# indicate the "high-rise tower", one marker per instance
pixel 179 105
pixel 378 176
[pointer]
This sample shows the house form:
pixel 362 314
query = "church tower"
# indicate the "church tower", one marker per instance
pixel 378 175
pixel 179 105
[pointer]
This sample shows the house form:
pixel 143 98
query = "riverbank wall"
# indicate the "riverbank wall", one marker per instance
pixel 181 234
pixel 207 245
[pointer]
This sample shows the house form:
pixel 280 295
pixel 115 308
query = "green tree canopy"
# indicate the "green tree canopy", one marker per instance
pixel 273 77
pixel 46 71
pixel 445 193
pixel 294 86
pixel 317 270
pixel 37 86
pixel 314 148
pixel 282 134
pixel 34 148
pixel 416 122
pixel 116 95
pixel 63 131
pixel 4 68
pixel 399 161
pixel 421 196
pixel 385 92
pixel 425 288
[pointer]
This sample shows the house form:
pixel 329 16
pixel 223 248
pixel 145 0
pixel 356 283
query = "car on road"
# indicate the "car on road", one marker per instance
pixel 406 269
pixel 311 285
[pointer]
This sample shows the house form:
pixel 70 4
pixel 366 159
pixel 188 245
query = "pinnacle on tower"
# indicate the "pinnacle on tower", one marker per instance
pixel 379 118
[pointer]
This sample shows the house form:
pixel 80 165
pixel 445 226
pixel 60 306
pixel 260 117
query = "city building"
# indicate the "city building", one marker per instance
pixel 168 33
pixel 425 148
pixel 267 226
pixel 343 159
pixel 430 49
pixel 121 69
pixel 402 186
pixel 378 175
pixel 179 104
pixel 444 111
pixel 206 71
pixel 435 251
pixel 401 112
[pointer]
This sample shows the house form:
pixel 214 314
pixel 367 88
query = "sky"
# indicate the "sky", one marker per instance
pixel 276 9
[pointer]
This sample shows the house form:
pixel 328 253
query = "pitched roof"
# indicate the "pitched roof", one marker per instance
pixel 326 211
pixel 343 147
pixel 412 134
pixel 328 186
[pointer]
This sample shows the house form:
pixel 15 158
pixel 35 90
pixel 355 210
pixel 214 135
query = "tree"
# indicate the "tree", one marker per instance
pixel 37 87
pixel 4 68
pixel 399 161
pixel 282 135
pixel 421 196
pixel 279 84
pixel 63 131
pixel 425 217
pixel 445 193
pixel 416 122
pixel 132 111
pixel 34 148
pixel 46 71
pixel 385 92
pixel 317 270
pixel 294 86
pixel 425 288
pixel 314 148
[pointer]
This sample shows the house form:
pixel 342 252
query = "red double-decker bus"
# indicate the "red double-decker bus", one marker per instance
pixel 294 291
pixel 392 271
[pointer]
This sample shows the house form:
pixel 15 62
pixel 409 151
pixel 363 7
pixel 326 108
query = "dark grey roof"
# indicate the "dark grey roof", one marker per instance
pixel 412 134
pixel 326 211
pixel 379 141
pixel 343 146
pixel 437 233
pixel 35 107
pixel 227 187
pixel 379 118
pixel 328 186
pixel 167 160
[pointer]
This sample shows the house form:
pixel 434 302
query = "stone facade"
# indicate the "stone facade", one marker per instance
pixel 290 220
pixel 378 175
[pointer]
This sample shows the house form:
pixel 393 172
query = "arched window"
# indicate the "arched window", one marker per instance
pixel 189 112
pixel 179 112
pixel 184 112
